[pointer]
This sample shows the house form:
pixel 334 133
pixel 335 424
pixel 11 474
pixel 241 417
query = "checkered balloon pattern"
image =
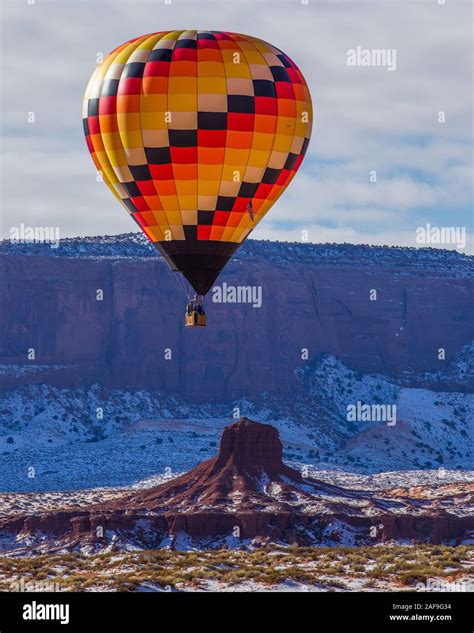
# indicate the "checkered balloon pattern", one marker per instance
pixel 197 133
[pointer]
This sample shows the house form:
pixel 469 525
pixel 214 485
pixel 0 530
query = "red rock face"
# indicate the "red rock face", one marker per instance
pixel 250 454
pixel 247 493
pixel 119 342
pixel 249 446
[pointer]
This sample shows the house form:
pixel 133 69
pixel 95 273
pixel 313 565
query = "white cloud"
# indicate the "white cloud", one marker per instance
pixel 365 118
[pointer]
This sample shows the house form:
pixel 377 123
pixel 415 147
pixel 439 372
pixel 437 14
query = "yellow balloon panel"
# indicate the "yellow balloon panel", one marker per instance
pixel 197 133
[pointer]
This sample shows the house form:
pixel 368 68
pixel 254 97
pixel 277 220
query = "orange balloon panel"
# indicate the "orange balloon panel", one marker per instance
pixel 197 133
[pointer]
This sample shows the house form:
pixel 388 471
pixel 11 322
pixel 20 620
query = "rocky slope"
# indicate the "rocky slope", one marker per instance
pixel 141 433
pixel 244 496
pixel 101 405
pixel 314 297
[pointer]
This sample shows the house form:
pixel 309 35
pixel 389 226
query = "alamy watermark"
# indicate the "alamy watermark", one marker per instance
pixel 359 412
pixel 437 584
pixel 445 235
pixel 237 294
pixel 35 235
pixel 34 585
pixel 373 57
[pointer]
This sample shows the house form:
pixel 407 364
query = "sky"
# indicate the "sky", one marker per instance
pixel 366 118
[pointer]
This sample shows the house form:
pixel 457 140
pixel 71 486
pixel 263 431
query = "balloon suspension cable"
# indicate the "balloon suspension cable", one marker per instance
pixel 187 287
pixel 182 285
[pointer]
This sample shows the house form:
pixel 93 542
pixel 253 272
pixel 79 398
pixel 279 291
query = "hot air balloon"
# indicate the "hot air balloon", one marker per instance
pixel 197 134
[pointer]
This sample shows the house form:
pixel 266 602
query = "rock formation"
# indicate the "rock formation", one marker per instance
pixel 119 342
pixel 246 494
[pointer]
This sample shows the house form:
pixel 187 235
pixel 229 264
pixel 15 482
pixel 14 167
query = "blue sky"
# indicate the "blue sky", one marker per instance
pixel 365 118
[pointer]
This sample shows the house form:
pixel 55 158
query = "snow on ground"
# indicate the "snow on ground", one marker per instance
pixel 398 259
pixel 55 439
pixel 55 448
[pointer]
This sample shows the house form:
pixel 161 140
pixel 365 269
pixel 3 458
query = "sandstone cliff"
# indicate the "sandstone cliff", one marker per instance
pixel 246 495
pixel 313 297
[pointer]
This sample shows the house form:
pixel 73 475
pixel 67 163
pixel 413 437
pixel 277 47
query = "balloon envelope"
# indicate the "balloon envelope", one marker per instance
pixel 197 133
